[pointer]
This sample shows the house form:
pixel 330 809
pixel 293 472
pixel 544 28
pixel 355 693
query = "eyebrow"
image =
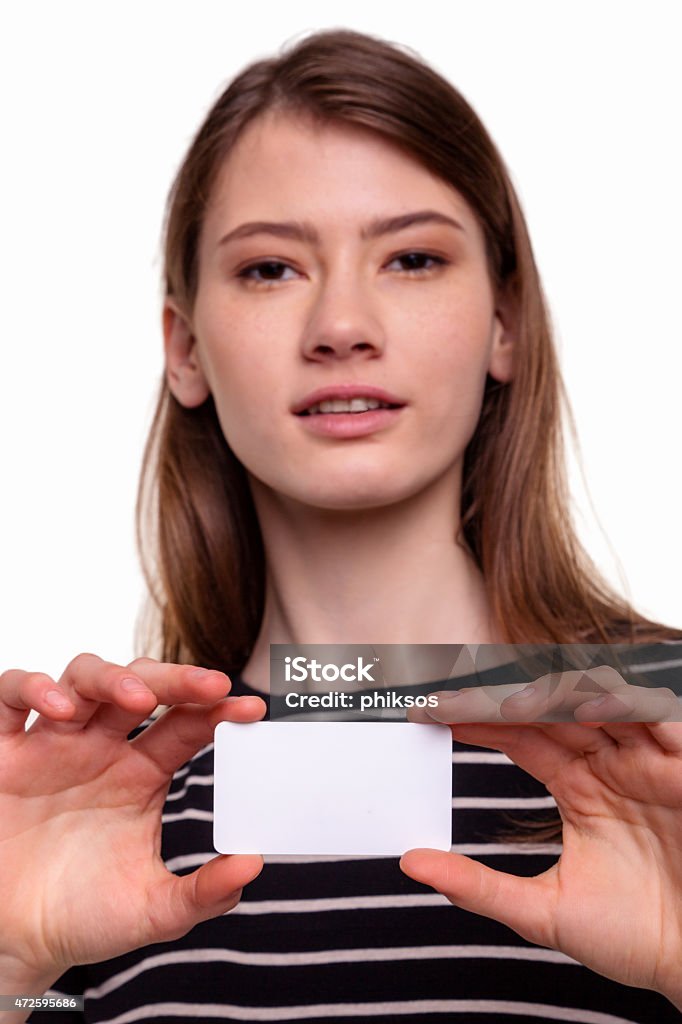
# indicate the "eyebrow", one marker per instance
pixel 304 232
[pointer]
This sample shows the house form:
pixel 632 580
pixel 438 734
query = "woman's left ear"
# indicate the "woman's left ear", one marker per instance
pixel 502 350
pixel 184 372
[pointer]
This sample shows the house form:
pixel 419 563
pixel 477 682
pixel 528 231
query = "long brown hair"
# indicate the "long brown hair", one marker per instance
pixel 198 534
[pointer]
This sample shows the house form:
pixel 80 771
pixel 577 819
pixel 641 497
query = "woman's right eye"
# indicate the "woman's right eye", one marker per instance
pixel 266 272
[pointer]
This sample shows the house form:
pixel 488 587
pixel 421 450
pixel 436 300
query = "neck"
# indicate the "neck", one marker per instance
pixel 389 575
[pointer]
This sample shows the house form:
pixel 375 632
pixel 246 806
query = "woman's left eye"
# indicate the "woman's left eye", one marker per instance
pixel 417 262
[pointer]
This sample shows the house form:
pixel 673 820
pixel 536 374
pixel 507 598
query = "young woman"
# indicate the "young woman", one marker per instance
pixel 343 231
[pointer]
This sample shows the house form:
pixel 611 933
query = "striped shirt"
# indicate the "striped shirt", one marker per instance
pixel 323 939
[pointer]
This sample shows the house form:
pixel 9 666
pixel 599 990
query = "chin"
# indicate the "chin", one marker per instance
pixel 349 497
pixel 345 488
pixel 335 503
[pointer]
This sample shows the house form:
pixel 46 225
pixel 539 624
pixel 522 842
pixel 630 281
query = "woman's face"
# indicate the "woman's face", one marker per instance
pixel 334 268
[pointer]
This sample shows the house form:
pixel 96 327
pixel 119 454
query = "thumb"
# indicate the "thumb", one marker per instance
pixel 524 904
pixel 213 889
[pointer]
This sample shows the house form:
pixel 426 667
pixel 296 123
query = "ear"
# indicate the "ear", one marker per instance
pixel 503 348
pixel 184 373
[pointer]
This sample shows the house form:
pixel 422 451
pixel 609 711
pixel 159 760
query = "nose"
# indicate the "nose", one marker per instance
pixel 343 322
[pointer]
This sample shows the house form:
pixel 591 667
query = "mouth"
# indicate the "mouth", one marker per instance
pixel 348 411
pixel 347 399
pixel 355 406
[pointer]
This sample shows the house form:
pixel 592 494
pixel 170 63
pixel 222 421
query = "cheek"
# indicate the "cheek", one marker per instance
pixel 454 342
pixel 245 378
pixel 245 394
pixel 454 347
pixel 236 349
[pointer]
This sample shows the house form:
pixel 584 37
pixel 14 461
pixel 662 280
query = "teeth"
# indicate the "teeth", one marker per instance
pixel 360 404
pixel 347 405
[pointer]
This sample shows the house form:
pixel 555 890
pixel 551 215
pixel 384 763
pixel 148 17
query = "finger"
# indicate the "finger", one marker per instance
pixel 421 715
pixel 576 737
pixel 668 735
pixel 183 730
pixel 626 734
pixel 500 703
pixel 665 735
pixel 91 682
pixel 99 680
pixel 542 750
pixel 536 703
pixel 551 697
pixel 555 696
pixel 88 681
pixel 22 692
pixel 184 684
pixel 606 677
pixel 117 722
pixel 470 704
pixel 180 684
pixel 636 704
pixel 213 889
pixel 563 736
pixel 525 904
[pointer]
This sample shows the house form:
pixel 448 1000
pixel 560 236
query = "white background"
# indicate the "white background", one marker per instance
pixel 99 102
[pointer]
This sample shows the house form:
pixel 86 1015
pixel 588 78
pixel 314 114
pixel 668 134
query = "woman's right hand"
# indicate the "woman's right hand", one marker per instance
pixel 81 876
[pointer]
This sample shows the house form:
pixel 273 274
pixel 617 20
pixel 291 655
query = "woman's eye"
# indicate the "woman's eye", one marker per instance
pixel 267 271
pixel 273 271
pixel 416 262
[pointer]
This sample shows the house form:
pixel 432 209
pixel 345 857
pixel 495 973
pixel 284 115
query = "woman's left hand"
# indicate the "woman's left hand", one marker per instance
pixel 613 901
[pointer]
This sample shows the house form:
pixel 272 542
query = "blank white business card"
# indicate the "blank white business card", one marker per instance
pixel 364 788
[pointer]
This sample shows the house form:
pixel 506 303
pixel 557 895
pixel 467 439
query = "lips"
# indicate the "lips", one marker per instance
pixel 346 392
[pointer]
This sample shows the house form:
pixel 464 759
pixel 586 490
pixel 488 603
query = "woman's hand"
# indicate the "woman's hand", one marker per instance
pixel 613 901
pixel 82 879
pixel 572 696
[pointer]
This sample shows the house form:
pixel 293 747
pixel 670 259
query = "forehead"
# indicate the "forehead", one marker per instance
pixel 337 175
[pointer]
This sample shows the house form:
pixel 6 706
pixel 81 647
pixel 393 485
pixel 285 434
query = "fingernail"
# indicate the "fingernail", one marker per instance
pixel 594 703
pixel 199 673
pixel 134 686
pixel 444 696
pixel 56 699
pixel 527 691
pixel 446 708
